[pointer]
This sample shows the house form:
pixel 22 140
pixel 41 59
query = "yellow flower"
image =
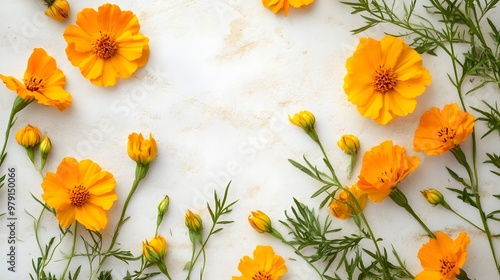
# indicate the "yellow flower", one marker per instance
pixel 28 136
pixel 155 250
pixel 383 167
pixel 440 131
pixel 349 144
pixel 57 9
pixel 342 206
pixel 442 258
pixel 384 78
pixel 277 5
pixel 193 222
pixel 141 150
pixel 433 196
pixel 45 146
pixel 264 265
pixel 304 120
pixel 43 81
pixel 80 191
pixel 260 221
pixel 106 44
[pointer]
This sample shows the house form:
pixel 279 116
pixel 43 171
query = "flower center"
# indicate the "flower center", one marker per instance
pixel 78 195
pixel 33 85
pixel 446 134
pixel 384 79
pixel 446 266
pixel 105 47
pixel 262 275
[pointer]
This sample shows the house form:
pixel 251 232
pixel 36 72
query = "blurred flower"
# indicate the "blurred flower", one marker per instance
pixel 433 196
pixel 80 191
pixel 442 258
pixel 343 205
pixel 57 9
pixel 141 150
pixel 260 221
pixel 264 265
pixel 383 167
pixel 277 5
pixel 28 136
pixel 384 78
pixel 440 131
pixel 106 44
pixel 155 250
pixel 43 81
pixel 193 222
pixel 45 148
pixel 349 144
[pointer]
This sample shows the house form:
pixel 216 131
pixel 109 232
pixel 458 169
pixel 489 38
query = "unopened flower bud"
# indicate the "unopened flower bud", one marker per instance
pixel 349 144
pixel 163 206
pixel 305 120
pixel 28 136
pixel 260 221
pixel 155 250
pixel 193 221
pixel 45 148
pixel 57 9
pixel 433 196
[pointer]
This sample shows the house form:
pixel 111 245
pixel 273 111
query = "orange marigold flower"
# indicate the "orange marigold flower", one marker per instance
pixel 264 265
pixel 343 205
pixel 440 131
pixel 442 258
pixel 141 150
pixel 80 191
pixel 106 44
pixel 43 81
pixel 384 78
pixel 383 167
pixel 277 5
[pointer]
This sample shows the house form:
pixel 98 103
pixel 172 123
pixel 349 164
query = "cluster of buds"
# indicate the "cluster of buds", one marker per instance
pixel 30 137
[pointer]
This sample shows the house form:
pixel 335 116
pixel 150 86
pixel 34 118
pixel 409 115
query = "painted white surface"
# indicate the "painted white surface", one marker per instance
pixel 221 80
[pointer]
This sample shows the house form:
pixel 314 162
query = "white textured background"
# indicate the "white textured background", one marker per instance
pixel 221 79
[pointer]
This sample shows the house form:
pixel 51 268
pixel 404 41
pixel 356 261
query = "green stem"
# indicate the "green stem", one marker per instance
pixel 163 269
pixel 17 106
pixel 73 247
pixel 328 164
pixel 278 235
pixel 400 199
pixel 140 173
pixel 193 251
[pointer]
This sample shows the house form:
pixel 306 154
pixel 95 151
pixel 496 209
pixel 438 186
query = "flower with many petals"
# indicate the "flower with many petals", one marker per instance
pixel 28 136
pixel 80 191
pixel 155 250
pixel 106 44
pixel 442 258
pixel 277 5
pixel 43 82
pixel 383 167
pixel 57 9
pixel 344 206
pixel 264 265
pixel 442 130
pixel 384 78
pixel 141 150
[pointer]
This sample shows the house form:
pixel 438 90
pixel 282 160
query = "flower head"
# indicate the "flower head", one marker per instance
pixel 440 131
pixel 349 144
pixel 264 265
pixel 384 78
pixel 305 120
pixel 260 221
pixel 442 258
pixel 80 191
pixel 433 196
pixel 106 44
pixel 343 206
pixel 28 136
pixel 193 222
pixel 43 81
pixel 141 150
pixel 383 167
pixel 155 250
pixel 57 9
pixel 277 5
